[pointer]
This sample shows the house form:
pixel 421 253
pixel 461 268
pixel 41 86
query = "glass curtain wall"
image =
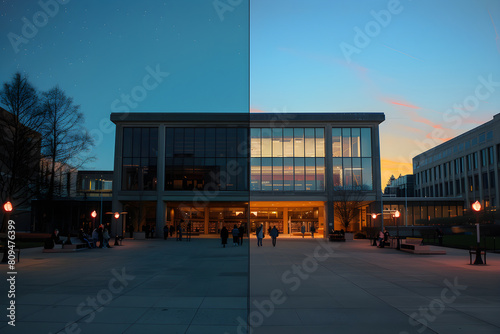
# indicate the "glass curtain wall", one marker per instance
pixel 206 158
pixel 352 158
pixel 140 158
pixel 287 159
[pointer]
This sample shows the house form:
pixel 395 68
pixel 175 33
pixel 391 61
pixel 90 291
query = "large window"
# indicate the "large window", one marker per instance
pixel 140 154
pixel 206 158
pixel 352 158
pixel 287 159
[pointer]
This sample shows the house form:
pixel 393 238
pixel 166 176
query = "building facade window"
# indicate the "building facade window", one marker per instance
pixel 287 159
pixel 352 158
pixel 140 158
pixel 206 158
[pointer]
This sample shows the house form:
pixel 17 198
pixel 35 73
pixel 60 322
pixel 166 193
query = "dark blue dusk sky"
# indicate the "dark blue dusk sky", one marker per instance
pixel 421 65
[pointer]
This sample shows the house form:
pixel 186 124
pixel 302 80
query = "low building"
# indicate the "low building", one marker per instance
pixel 465 167
pixel 207 170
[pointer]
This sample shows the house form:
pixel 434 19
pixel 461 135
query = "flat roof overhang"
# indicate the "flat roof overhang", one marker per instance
pixel 148 117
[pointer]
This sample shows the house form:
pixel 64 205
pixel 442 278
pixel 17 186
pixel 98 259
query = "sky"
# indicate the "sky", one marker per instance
pixel 433 67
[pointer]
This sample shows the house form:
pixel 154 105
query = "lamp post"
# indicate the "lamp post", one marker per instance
pixel 374 216
pixel 396 216
pixel 7 207
pixel 93 215
pixel 476 206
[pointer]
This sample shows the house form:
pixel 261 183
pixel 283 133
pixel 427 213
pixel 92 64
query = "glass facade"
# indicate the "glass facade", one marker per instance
pixel 213 159
pixel 352 158
pixel 140 158
pixel 287 159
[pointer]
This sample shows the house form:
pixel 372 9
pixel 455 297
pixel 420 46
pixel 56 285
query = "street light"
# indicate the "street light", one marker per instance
pixel 8 206
pixel 374 216
pixel 476 206
pixel 93 215
pixel 396 216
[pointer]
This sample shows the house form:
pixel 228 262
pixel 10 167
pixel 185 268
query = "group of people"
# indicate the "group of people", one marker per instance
pixel 237 233
pixel 273 233
pixel 99 234
pixel 383 237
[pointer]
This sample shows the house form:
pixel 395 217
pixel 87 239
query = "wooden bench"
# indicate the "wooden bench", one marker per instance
pixel 475 251
pixel 414 245
pixel 336 237
pixel 76 245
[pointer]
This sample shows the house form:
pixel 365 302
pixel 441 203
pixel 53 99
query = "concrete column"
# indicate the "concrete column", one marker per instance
pixel 329 216
pixel 207 219
pixel 161 217
pixel 496 185
pixel 285 221
pixel 116 205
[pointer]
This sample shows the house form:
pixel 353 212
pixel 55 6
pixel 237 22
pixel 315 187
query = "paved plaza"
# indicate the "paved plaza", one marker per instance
pixel 301 286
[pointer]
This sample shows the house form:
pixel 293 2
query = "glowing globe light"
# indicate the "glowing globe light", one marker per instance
pixel 117 215
pixel 7 207
pixel 374 215
pixel 93 214
pixel 476 206
pixel 397 214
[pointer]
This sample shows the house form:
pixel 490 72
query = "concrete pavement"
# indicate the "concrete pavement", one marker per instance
pixel 300 286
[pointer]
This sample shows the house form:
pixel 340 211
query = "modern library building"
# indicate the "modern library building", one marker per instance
pixel 208 170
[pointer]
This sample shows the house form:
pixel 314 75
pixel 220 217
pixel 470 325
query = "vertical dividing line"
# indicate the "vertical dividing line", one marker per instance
pixel 249 172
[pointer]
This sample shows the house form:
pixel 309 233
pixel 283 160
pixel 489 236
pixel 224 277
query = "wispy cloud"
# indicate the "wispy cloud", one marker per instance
pixel 400 52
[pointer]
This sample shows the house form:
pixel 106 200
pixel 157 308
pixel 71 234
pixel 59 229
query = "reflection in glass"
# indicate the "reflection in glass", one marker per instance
pixel 310 146
pixel 255 180
pixel 299 174
pixel 288 142
pixel 310 174
pixel 298 142
pixel 267 174
pixel 366 142
pixel 277 143
pixel 320 142
pixel 266 142
pixel 337 172
pixel 320 173
pixel 277 174
pixel 288 181
pixel 346 142
pixel 336 142
pixel 255 142
pixel 355 142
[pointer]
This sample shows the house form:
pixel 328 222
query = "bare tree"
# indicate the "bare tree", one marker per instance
pixel 347 203
pixel 65 139
pixel 20 141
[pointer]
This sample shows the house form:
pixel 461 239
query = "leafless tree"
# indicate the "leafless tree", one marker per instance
pixel 20 140
pixel 65 139
pixel 347 203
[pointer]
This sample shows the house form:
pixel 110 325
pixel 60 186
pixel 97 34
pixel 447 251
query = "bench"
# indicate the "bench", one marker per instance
pixel 414 245
pixel 336 237
pixel 76 245
pixel 475 251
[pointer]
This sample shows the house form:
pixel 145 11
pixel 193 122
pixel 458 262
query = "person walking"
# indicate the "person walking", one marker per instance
pixel 165 232
pixel 241 229
pixel 303 230
pixel 313 230
pixel 260 235
pixel 172 230
pixel 235 232
pixel 274 234
pixel 224 233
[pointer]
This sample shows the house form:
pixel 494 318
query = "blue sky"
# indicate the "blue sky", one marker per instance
pixel 98 50
pixel 414 65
